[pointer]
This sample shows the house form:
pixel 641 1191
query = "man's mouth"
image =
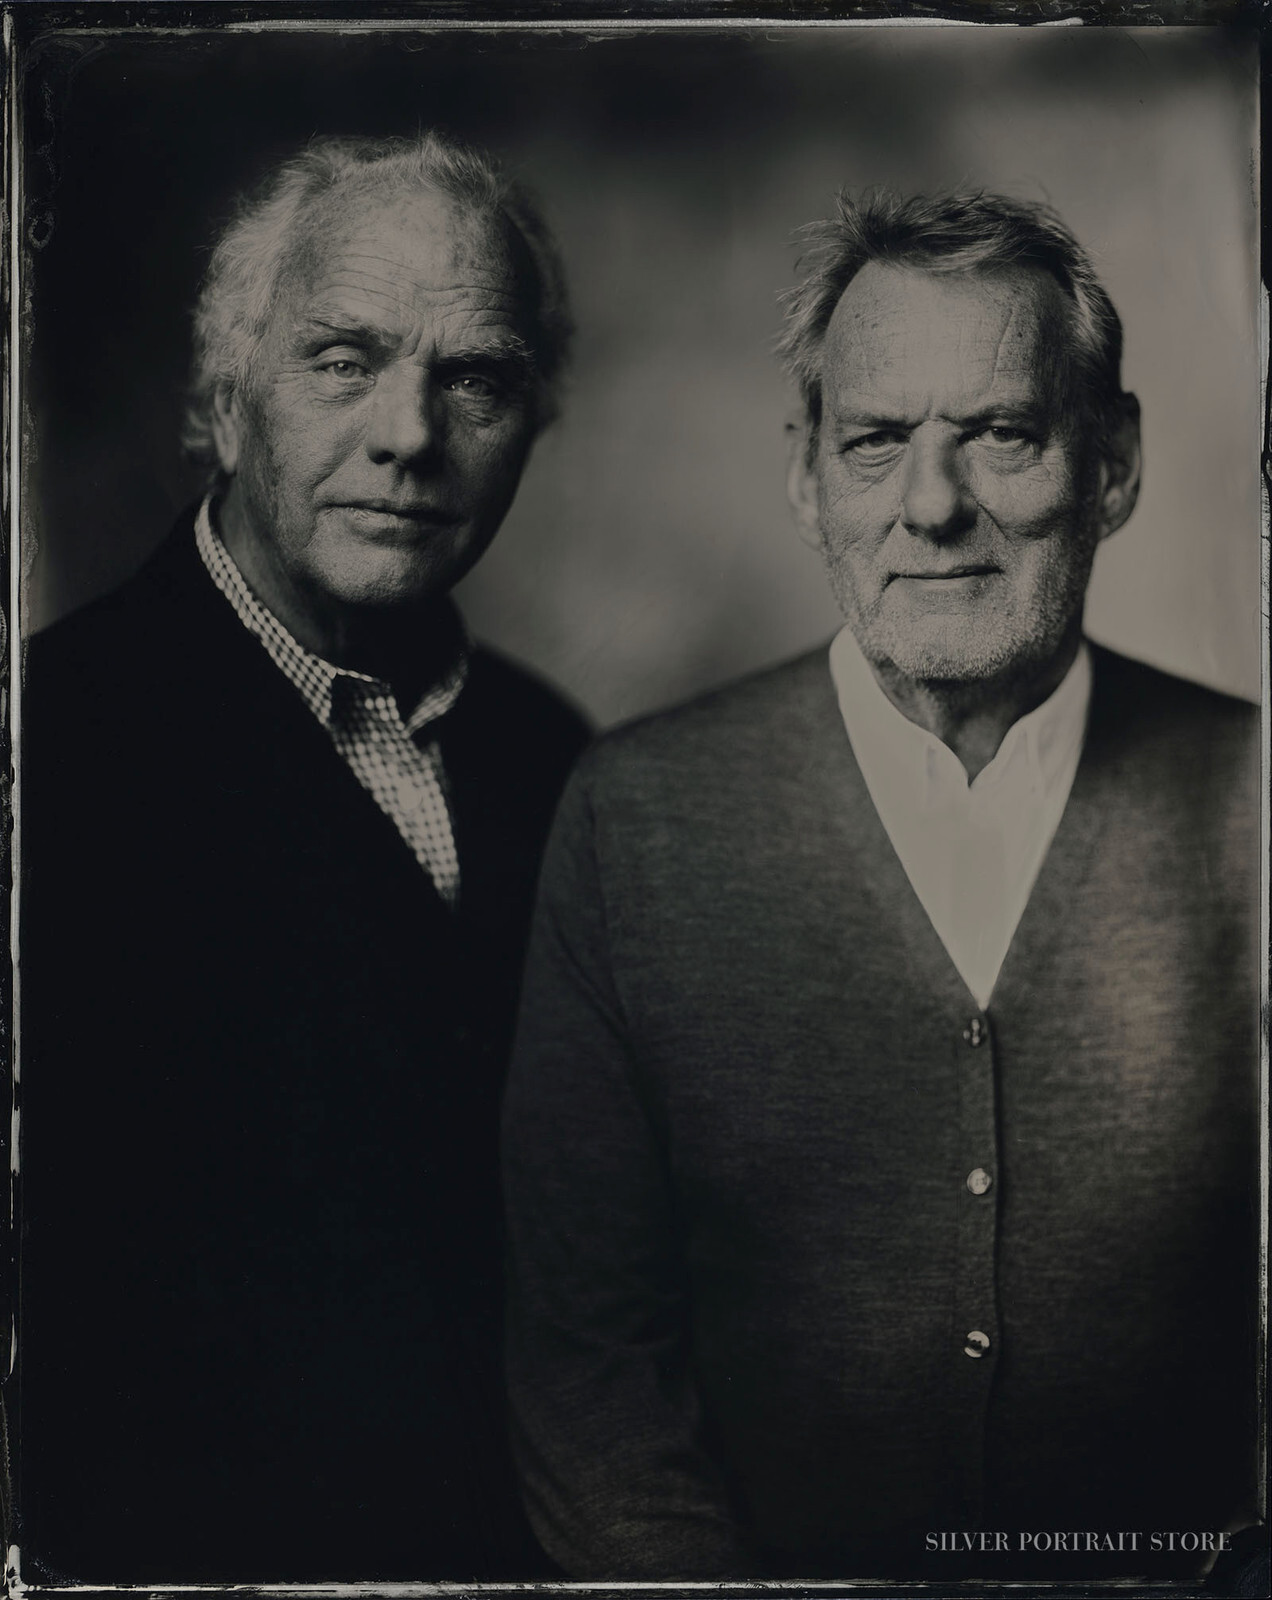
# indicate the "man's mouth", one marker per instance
pixel 392 521
pixel 406 511
pixel 966 569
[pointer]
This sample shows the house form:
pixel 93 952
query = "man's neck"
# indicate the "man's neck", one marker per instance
pixel 407 647
pixel 973 719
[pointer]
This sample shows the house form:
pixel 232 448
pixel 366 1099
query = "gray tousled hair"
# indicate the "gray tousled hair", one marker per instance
pixel 236 298
pixel 953 233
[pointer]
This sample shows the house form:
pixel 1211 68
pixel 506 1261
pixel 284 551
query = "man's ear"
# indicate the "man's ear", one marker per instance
pixel 225 427
pixel 1117 488
pixel 801 479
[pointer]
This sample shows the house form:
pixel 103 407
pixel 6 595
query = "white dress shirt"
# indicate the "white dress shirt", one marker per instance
pixel 971 851
pixel 396 759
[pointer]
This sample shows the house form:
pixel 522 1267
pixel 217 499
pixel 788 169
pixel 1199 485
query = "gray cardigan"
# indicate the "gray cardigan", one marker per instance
pixel 760 1322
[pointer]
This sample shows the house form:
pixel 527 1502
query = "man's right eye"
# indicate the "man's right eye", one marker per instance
pixel 876 443
pixel 342 374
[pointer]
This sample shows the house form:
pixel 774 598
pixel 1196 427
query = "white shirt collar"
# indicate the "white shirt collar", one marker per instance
pixel 1038 752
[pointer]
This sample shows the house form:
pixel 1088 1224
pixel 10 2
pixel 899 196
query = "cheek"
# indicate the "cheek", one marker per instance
pixel 1035 504
pixel 491 462
pixel 853 513
pixel 1050 565
pixel 257 471
pixel 299 443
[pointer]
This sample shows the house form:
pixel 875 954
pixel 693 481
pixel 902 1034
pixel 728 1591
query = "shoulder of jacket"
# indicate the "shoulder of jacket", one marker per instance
pixel 516 700
pixel 155 600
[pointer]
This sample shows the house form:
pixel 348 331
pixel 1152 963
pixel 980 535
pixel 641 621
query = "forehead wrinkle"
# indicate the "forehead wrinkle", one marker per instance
pixel 342 296
pixel 357 271
pixel 1017 348
pixel 872 336
pixel 384 312
pixel 1008 337
pixel 408 266
pixel 862 363
pixel 358 281
pixel 408 246
pixel 969 340
pixel 350 211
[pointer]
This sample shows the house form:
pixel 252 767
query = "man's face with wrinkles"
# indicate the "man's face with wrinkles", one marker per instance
pixel 954 503
pixel 382 434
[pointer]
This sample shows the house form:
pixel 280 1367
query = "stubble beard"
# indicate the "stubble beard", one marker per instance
pixel 983 647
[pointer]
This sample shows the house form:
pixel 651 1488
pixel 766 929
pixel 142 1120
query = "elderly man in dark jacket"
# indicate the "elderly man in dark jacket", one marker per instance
pixel 281 825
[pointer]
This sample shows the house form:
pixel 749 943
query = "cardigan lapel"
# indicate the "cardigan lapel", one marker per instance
pixel 858 839
pixel 1071 855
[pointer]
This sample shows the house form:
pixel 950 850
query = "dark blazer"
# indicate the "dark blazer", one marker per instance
pixel 762 1323
pixel 261 1061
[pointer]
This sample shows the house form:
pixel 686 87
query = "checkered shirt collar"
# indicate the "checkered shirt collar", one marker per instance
pixel 315 678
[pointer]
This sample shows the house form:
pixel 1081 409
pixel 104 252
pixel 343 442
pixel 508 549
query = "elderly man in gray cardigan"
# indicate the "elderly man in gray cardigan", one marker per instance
pixel 881 1147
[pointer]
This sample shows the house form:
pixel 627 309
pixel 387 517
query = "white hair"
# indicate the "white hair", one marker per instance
pixel 962 232
pixel 238 291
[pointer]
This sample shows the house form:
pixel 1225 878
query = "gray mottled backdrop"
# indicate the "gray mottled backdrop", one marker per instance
pixel 650 553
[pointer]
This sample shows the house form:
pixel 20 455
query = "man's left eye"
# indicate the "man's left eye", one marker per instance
pixel 1003 436
pixel 477 385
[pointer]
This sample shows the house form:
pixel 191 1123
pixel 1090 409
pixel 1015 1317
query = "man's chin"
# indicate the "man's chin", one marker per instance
pixel 928 654
pixel 391 582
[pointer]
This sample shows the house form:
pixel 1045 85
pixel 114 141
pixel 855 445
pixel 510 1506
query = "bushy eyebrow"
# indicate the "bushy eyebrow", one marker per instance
pixel 311 334
pixel 503 349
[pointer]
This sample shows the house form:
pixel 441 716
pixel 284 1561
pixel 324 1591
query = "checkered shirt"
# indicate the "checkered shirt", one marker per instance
pixel 402 773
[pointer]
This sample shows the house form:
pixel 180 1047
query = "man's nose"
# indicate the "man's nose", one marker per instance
pixel 405 420
pixel 936 500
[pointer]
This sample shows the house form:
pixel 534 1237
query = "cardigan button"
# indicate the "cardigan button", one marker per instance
pixel 976 1346
pixel 978 1180
pixel 974 1032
